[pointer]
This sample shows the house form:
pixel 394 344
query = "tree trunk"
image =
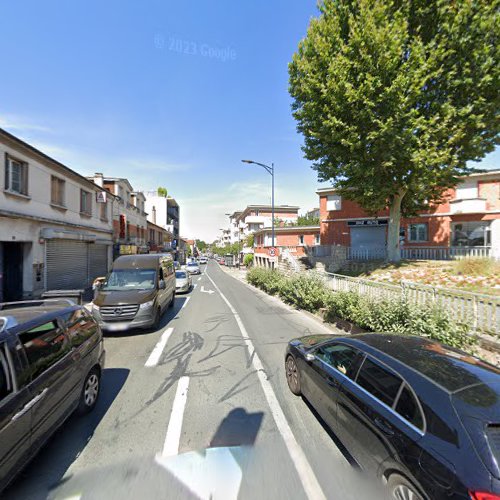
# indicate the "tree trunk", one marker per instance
pixel 393 249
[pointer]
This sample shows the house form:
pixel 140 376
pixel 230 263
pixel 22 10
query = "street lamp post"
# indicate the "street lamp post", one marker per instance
pixel 269 170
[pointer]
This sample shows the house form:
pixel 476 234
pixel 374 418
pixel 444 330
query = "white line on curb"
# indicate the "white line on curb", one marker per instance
pixel 185 303
pixel 309 481
pixel 173 437
pixel 155 355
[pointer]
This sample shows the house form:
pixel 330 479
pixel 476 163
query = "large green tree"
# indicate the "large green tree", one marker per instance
pixel 394 97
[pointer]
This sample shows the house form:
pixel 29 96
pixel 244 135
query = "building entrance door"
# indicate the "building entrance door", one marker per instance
pixel 12 283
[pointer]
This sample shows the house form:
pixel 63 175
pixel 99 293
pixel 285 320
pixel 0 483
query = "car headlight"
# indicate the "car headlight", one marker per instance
pixel 147 305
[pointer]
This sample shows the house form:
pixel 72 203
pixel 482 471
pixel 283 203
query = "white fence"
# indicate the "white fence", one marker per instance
pixel 481 312
pixel 410 253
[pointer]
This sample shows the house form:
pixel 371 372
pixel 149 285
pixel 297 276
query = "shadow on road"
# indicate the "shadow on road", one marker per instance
pixel 239 428
pixel 49 466
pixel 168 315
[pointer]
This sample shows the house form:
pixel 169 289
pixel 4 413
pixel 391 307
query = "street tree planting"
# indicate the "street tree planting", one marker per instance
pixel 393 98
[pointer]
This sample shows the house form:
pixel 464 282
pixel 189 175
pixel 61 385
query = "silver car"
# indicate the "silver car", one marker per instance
pixel 183 282
pixel 193 268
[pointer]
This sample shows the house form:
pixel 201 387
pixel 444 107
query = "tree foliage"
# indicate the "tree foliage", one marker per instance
pixel 162 191
pixel 307 220
pixel 393 98
pixel 201 245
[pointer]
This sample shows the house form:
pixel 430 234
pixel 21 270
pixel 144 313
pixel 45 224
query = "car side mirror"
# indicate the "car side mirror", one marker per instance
pixel 310 357
pixel 162 285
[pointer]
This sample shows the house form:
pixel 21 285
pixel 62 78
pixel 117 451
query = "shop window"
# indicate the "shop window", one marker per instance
pixel 471 234
pixel 418 232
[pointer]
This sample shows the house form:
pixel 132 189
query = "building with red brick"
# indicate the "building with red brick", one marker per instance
pixel 292 239
pixel 467 223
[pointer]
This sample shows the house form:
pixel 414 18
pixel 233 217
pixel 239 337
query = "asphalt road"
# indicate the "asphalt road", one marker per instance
pixel 201 407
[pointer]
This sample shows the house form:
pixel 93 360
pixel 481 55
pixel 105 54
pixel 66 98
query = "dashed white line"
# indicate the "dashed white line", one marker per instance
pixel 185 303
pixel 195 285
pixel 309 481
pixel 173 437
pixel 199 278
pixel 155 355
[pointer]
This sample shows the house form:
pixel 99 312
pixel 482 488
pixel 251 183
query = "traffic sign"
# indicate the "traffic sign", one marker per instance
pixel 272 252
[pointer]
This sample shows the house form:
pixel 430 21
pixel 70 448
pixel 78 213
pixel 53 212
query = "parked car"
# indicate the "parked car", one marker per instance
pixel 51 360
pixel 423 417
pixel 203 260
pixel 193 268
pixel 222 261
pixel 183 281
pixel 136 292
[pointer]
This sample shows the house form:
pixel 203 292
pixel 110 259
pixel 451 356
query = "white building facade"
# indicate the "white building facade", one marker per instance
pixel 55 225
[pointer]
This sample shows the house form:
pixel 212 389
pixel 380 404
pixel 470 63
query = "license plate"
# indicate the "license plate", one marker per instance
pixel 116 327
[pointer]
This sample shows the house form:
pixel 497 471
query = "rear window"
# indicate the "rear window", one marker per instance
pixel 180 274
pixel 379 382
pixel 493 436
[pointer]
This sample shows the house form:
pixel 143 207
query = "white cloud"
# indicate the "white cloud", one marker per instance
pixel 16 123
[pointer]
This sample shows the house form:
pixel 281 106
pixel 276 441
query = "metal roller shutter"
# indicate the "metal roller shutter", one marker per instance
pixel 66 264
pixel 98 261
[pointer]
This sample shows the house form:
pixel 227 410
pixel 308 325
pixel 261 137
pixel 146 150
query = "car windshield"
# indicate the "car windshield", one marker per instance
pixel 180 274
pixel 192 264
pixel 130 279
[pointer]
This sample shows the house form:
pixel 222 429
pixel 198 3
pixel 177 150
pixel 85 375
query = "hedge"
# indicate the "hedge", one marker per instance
pixel 309 292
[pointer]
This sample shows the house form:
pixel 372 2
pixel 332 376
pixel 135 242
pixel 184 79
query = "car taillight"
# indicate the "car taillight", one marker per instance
pixel 483 495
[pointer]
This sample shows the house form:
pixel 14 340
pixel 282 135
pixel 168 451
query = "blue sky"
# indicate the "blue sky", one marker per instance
pixel 164 93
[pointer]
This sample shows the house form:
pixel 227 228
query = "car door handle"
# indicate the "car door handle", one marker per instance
pixel 76 356
pixel 27 407
pixel 385 428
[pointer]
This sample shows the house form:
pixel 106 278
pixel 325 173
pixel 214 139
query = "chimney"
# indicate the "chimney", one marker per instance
pixel 99 179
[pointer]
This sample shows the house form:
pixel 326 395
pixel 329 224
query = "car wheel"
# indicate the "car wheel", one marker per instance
pixel 90 392
pixel 292 375
pixel 172 301
pixel 401 489
pixel 156 321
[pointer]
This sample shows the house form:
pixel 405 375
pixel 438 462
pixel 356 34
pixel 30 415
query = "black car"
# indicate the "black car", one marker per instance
pixel 51 359
pixel 421 416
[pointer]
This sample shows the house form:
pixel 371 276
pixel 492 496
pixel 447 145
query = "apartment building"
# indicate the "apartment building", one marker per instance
pixel 468 222
pixel 129 215
pixel 55 225
pixel 164 211
pixel 159 239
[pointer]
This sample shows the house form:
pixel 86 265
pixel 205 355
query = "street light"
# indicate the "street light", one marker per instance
pixel 269 170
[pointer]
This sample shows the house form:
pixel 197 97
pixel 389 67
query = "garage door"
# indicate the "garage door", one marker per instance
pixel 367 237
pixel 98 261
pixel 66 264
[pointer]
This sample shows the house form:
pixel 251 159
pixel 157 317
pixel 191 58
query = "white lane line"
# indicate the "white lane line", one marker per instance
pixel 173 437
pixel 185 303
pixel 155 355
pixel 199 278
pixel 195 285
pixel 310 482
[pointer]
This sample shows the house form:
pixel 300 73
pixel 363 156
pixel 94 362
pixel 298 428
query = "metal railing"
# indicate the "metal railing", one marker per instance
pixel 290 259
pixel 407 252
pixel 481 312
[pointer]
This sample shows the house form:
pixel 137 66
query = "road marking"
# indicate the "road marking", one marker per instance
pixel 309 481
pixel 195 285
pixel 173 437
pixel 185 303
pixel 206 291
pixel 199 278
pixel 155 355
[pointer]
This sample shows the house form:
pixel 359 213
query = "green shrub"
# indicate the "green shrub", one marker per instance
pixel 399 316
pixel 248 260
pixel 307 292
pixel 268 280
pixel 310 293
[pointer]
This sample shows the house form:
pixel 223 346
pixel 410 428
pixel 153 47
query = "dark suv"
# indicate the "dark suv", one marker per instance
pixel 423 417
pixel 51 359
